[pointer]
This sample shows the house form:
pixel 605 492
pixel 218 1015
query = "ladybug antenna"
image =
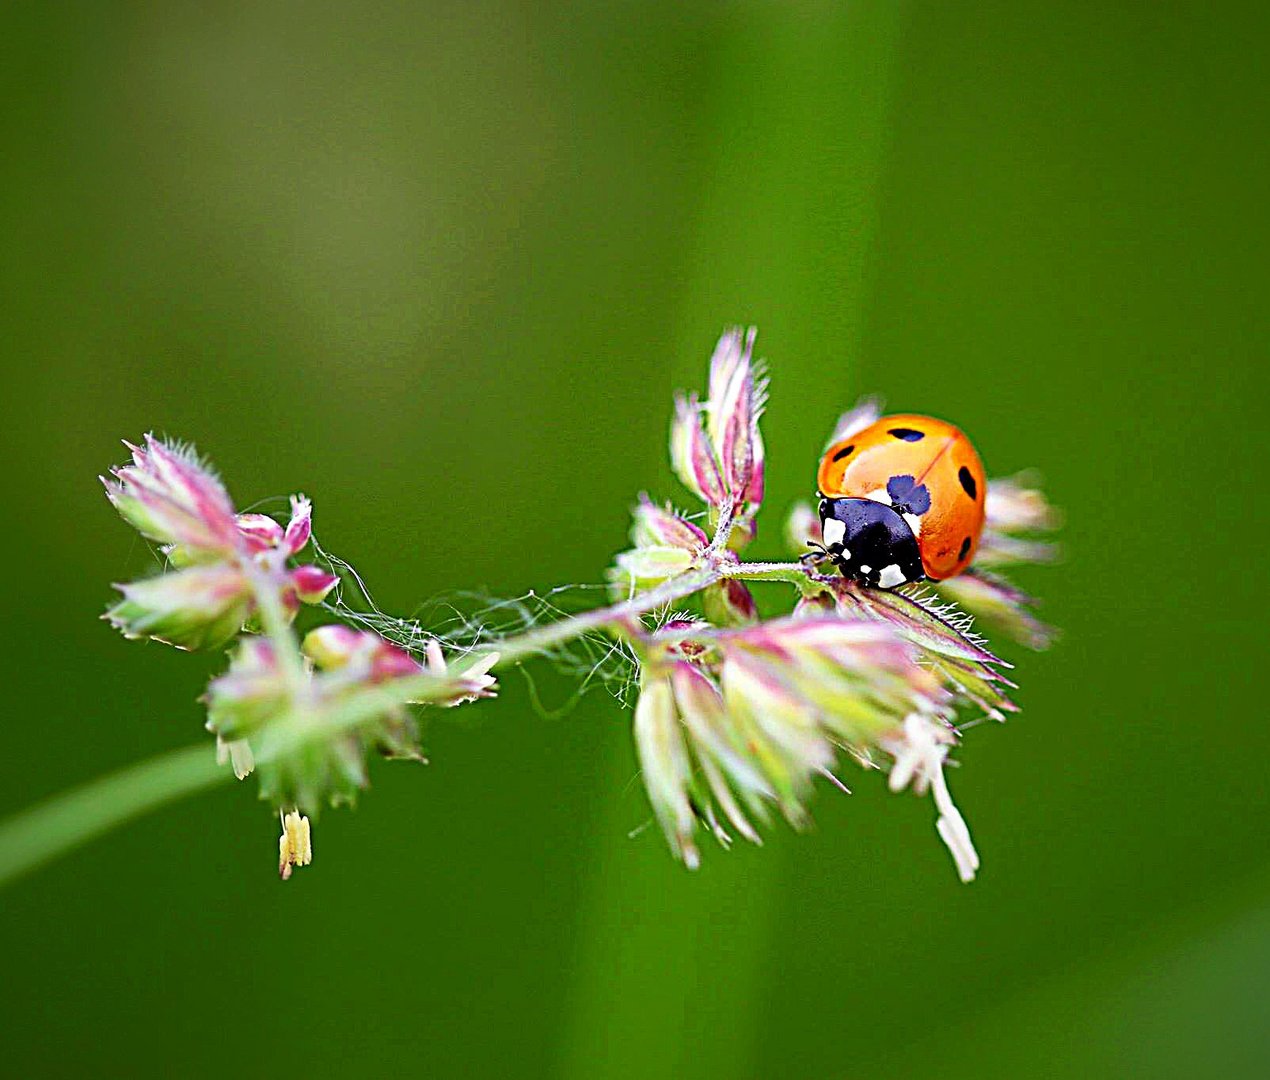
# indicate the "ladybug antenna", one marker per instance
pixel 818 551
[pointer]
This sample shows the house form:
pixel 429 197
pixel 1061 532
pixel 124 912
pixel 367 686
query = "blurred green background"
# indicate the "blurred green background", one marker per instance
pixel 442 267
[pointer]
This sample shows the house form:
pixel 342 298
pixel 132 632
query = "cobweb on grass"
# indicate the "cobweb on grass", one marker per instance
pixel 465 621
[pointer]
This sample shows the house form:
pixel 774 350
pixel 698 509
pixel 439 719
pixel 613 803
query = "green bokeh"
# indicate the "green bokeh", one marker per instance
pixel 442 268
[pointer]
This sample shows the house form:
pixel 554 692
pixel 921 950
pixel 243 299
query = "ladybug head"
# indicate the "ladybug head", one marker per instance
pixel 870 542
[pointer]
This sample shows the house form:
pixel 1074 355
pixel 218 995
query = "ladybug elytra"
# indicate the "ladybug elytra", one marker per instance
pixel 902 500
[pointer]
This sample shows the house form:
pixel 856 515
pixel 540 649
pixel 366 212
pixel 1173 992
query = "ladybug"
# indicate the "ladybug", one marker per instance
pixel 902 500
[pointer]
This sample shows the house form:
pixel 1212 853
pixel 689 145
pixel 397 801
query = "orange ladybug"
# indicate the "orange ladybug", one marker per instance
pixel 902 500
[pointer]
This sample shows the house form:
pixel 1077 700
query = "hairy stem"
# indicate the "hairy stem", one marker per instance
pixel 65 821
pixel 711 567
pixel 515 649
pixel 795 573
pixel 722 530
pixel 277 626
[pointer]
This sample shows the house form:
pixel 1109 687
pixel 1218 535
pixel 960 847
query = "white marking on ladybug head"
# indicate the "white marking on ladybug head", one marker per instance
pixel 914 523
pixel 866 569
pixel 835 532
pixel 891 576
pixel 880 495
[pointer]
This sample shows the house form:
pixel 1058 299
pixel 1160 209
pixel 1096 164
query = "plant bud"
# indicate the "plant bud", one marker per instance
pixel 197 608
pixel 170 496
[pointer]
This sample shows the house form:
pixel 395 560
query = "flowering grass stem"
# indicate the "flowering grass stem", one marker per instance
pixel 67 821
pixel 737 714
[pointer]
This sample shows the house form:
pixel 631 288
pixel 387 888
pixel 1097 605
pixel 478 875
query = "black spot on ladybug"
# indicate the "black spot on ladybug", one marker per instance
pixel 968 482
pixel 898 487
pixel 965 548
pixel 907 496
pixel 844 452
pixel 908 434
